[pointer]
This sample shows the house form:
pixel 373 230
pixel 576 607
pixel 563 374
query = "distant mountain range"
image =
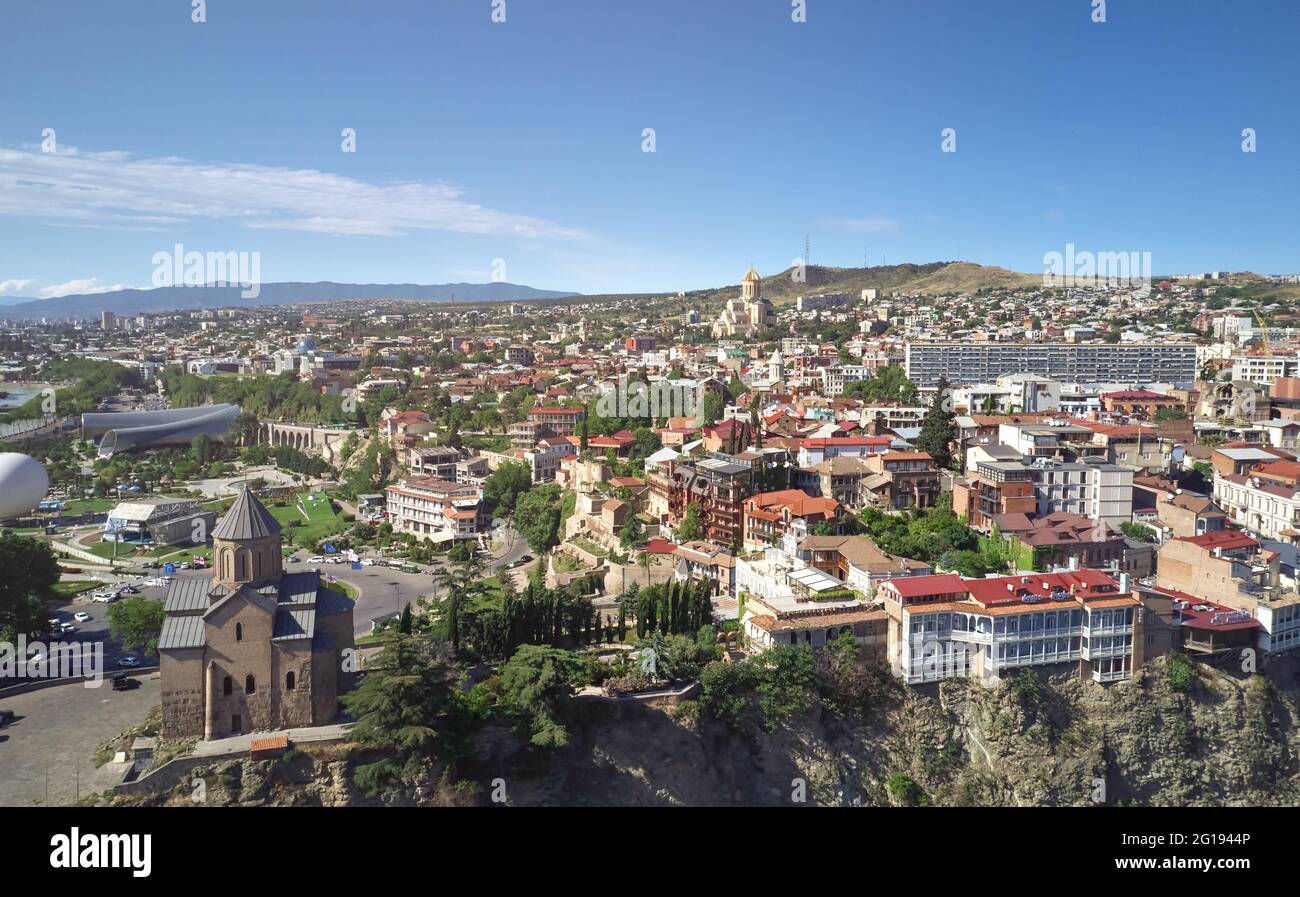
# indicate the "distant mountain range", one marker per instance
pixel 931 278
pixel 163 299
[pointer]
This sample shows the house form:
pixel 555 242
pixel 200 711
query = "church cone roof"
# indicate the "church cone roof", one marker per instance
pixel 247 518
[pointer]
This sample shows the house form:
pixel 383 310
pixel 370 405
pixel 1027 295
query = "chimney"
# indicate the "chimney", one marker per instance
pixel 1123 582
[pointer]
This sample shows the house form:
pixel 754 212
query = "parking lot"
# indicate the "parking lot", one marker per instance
pixel 45 754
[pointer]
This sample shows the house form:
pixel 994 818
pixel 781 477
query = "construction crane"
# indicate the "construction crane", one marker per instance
pixel 1263 334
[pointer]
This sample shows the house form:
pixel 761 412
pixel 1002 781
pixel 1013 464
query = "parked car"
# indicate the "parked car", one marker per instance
pixel 129 660
pixel 122 682
pixel 130 590
pixel 81 616
pixel 317 559
pixel 7 717
pixel 67 627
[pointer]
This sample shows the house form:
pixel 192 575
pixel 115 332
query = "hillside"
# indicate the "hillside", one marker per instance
pixel 934 278
pixel 1034 741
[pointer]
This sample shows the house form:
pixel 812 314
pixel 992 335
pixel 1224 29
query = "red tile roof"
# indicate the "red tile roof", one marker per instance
pixel 1226 539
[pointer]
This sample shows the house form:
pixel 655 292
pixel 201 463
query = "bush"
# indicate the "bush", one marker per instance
pixel 905 791
pixel 1182 672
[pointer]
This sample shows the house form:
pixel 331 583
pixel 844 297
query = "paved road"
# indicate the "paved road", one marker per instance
pixel 51 743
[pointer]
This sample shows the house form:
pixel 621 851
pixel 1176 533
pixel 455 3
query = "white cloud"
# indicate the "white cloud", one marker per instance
pixel 80 285
pixel 117 189
pixel 872 224
pixel 13 287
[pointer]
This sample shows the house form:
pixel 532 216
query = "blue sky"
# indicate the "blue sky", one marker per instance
pixel 523 141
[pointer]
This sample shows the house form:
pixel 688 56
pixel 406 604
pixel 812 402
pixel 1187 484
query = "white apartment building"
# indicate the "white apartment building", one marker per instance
pixel 836 377
pixel 1101 491
pixel 1011 394
pixel 1264 369
pixel 943 626
pixel 435 509
pixel 1268 509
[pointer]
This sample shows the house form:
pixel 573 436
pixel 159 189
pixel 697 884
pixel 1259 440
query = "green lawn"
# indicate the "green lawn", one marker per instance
pixel 70 587
pixel 316 506
pixel 345 587
pixel 306 531
pixel 94 505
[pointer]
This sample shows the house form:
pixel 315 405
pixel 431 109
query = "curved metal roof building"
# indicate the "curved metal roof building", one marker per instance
pixel 143 429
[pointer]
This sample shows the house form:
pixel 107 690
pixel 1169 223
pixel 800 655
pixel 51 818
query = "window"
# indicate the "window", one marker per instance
pixel 250 685
pixel 227 686
pixel 289 681
pixel 239 632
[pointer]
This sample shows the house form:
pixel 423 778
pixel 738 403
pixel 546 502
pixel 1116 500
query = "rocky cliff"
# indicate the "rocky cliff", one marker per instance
pixel 1221 739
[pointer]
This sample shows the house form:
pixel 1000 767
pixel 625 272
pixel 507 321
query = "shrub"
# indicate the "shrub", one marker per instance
pixel 905 791
pixel 1182 672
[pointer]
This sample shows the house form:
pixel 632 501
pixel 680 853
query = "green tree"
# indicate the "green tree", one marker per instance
pixel 971 564
pixel 712 408
pixel 506 484
pixel 536 687
pixel 137 622
pixel 691 527
pixel 939 431
pixel 463 581
pixel 27 587
pixel 405 709
pixel 537 517
pixel 1137 531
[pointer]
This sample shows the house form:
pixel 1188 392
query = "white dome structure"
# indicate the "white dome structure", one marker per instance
pixel 23 483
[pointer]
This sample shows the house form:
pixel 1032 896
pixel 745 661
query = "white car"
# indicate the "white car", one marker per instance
pixel 81 616
pixel 368 562
pixel 129 660
pixel 316 560
pixel 67 627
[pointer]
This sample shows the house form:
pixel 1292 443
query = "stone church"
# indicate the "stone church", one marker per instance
pixel 249 647
pixel 747 314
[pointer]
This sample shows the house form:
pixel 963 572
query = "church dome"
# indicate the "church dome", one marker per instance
pixel 751 276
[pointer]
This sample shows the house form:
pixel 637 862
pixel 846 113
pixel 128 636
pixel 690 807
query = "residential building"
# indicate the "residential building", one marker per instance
pixel 434 509
pixel 984 362
pixel 717 486
pixel 433 461
pixel 769 515
pixel 901 480
pixel 856 561
pixel 789 604
pixel 1265 500
pixel 944 626
pixel 1232 569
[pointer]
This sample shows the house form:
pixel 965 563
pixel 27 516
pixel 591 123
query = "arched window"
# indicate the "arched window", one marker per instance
pixel 257 564
pixel 289 681
pixel 241 564
pixel 239 632
pixel 250 685
pixel 227 564
pixel 227 686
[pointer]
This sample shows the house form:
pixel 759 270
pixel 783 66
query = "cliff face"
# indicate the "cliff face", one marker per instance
pixel 1047 741
pixel 1225 740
